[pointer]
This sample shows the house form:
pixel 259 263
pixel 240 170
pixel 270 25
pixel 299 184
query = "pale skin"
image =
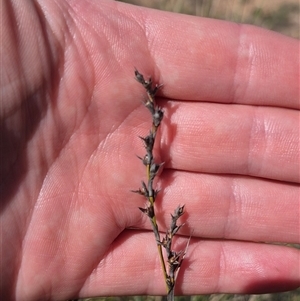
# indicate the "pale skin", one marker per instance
pixel 71 114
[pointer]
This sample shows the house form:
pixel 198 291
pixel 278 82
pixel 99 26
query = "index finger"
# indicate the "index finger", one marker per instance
pixel 218 61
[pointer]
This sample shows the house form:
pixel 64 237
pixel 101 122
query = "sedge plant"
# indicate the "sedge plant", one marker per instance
pixel 170 259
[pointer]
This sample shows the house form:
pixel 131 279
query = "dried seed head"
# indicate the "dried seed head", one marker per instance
pixel 150 105
pixel 164 242
pixel 157 116
pixel 179 211
pixel 170 283
pixel 149 211
pixel 154 168
pixel 175 229
pixel 156 88
pixel 143 191
pixel 149 142
pixel 145 188
pixel 144 210
pixel 139 77
pixel 147 159
pixel 174 259
pixel 139 191
pixel 151 190
pixel 156 191
pixel 146 83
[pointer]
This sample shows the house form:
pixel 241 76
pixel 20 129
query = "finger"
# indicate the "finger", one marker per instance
pixel 209 267
pixel 216 61
pixel 229 207
pixel 256 141
pixel 222 61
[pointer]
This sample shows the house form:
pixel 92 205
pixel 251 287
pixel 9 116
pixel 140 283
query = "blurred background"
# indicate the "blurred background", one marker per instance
pixel 279 15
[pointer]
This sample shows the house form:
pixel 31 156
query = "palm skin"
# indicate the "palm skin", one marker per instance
pixel 71 115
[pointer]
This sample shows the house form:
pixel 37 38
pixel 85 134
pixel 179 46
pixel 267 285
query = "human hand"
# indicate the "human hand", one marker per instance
pixel 71 115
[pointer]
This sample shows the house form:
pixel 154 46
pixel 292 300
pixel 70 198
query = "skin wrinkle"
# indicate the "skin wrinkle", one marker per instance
pixel 255 131
pixel 84 115
pixel 230 201
pixel 272 129
pixel 268 127
pixel 243 200
pixel 221 270
pixel 234 200
pixel 12 82
pixel 41 14
pixel 252 65
pixel 244 55
pixel 145 29
pixel 67 33
pixel 236 85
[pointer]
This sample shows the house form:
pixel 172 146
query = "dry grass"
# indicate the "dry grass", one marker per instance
pixel 278 15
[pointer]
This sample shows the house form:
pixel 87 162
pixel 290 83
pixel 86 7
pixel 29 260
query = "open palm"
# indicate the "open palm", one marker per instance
pixel 70 120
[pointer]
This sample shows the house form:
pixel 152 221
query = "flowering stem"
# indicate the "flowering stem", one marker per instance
pixel 174 259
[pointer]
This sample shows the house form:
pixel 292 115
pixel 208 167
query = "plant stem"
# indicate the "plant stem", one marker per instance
pixel 174 259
